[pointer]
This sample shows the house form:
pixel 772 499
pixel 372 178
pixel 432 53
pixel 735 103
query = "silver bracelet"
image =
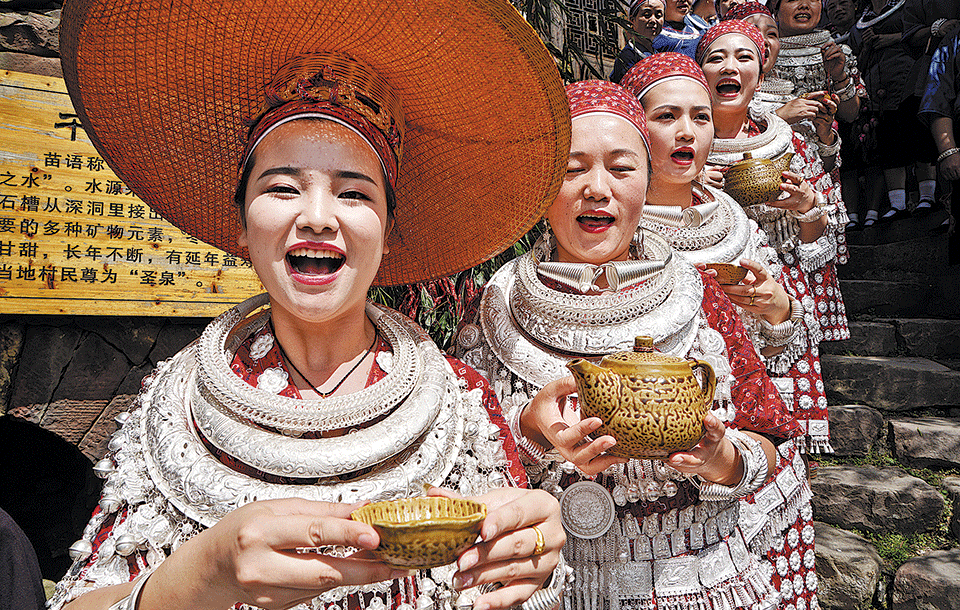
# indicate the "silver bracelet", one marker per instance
pixel 131 601
pixel 936 30
pixel 531 448
pixel 778 335
pixel 848 91
pixel 830 150
pixel 947 153
pixel 548 597
pixel 812 215
pixel 754 470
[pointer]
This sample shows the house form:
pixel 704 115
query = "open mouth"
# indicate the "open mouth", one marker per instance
pixel 314 262
pixel 801 16
pixel 683 156
pixel 728 88
pixel 595 221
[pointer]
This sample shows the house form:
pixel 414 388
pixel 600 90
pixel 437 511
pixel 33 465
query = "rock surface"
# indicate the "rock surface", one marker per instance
pixel 11 339
pixel 866 339
pixel 50 349
pixel 848 569
pixel 30 33
pixel 930 338
pixel 930 582
pixel 926 441
pixel 854 429
pixel 23 62
pixel 924 297
pixel 890 384
pixel 952 486
pixel 878 500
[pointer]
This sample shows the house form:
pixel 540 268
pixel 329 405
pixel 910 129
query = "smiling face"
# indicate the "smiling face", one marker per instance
pixel 771 35
pixel 732 68
pixel 798 16
pixel 316 219
pixel 649 19
pixel 676 10
pixel 681 129
pixel 597 210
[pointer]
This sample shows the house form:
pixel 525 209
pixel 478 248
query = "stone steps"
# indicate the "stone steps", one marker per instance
pixel 877 500
pixel 925 337
pixel 890 383
pixel 926 441
pixel 929 581
pixel 927 297
pixel 848 568
pixel 923 255
pixel 904 230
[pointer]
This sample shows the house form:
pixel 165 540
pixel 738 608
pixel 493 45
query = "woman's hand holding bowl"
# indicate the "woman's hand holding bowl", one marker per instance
pixel 508 550
pixel 251 556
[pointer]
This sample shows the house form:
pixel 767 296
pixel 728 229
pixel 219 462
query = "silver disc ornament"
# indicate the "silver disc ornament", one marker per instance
pixel 587 510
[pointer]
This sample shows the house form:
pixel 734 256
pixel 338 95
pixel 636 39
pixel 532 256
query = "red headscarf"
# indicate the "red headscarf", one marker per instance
pixel 732 26
pixel 742 11
pixel 604 97
pixel 320 86
pixel 661 66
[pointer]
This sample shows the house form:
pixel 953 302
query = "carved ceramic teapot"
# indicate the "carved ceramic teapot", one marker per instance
pixel 650 402
pixel 755 181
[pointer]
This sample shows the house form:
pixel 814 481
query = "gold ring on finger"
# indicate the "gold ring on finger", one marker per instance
pixel 538 550
pixel 753 291
pixel 752 299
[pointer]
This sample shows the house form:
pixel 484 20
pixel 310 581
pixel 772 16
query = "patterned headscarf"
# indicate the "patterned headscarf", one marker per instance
pixel 658 67
pixel 732 26
pixel 746 9
pixel 336 88
pixel 603 97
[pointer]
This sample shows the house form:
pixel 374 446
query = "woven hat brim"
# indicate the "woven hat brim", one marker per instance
pixel 164 90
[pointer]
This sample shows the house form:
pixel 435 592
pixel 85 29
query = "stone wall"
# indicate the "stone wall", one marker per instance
pixel 29 41
pixel 62 381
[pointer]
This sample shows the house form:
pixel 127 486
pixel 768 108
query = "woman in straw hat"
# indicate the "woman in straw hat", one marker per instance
pixel 234 476
pixel 707 226
pixel 641 533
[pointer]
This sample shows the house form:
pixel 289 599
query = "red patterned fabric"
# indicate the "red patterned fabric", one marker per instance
pixel 758 403
pixel 600 96
pixel 742 11
pixel 660 66
pixel 731 26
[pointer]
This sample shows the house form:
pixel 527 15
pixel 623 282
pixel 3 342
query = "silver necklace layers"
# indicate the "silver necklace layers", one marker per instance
pixel 163 485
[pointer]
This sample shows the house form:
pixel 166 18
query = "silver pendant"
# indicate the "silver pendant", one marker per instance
pixel 587 510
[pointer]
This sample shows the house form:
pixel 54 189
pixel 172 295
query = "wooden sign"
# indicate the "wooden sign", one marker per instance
pixel 75 240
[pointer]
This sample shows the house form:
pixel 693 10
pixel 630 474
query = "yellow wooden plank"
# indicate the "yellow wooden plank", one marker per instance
pixel 75 240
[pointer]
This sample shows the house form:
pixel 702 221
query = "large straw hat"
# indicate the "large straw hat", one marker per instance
pixel 164 88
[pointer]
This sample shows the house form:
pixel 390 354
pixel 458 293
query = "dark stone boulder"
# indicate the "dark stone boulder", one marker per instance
pixel 926 441
pixel 854 429
pixel 848 569
pixel 878 500
pixel 930 582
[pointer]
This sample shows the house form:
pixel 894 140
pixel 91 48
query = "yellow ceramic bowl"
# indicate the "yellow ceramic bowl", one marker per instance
pixel 728 274
pixel 422 533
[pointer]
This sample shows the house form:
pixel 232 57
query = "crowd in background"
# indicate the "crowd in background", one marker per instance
pixel 905 52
